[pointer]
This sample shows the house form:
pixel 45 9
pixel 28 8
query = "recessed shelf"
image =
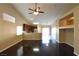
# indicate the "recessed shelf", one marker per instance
pixel 66 22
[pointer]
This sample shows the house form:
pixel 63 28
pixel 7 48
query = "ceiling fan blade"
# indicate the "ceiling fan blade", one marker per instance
pixel 41 11
pixel 31 9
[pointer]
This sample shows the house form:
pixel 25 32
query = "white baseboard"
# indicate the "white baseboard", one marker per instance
pixel 76 54
pixel 67 43
pixel 70 45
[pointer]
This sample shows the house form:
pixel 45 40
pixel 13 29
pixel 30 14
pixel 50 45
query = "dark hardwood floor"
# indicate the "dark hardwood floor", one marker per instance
pixel 26 48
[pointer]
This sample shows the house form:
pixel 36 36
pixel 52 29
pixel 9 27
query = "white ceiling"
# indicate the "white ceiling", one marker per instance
pixel 52 11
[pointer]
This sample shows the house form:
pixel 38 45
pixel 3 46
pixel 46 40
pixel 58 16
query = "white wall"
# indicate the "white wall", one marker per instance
pixel 54 31
pixel 39 28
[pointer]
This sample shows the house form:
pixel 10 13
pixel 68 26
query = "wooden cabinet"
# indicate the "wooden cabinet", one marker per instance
pixel 28 28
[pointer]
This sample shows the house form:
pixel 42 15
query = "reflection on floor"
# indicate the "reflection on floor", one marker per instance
pixel 36 48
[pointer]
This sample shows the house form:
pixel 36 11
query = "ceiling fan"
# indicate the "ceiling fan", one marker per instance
pixel 35 11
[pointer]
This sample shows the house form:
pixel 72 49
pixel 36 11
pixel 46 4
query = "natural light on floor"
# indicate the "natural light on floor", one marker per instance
pixel 35 49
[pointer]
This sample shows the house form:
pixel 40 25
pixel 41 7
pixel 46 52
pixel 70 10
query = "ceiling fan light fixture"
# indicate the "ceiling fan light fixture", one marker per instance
pixel 36 10
pixel 35 13
pixel 36 23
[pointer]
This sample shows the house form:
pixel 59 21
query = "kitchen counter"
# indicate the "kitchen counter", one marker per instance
pixel 32 36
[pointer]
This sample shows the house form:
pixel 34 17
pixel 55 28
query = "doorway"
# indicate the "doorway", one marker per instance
pixel 45 35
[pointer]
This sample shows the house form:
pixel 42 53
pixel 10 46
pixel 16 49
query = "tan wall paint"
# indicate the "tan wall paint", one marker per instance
pixel 67 36
pixel 8 30
pixel 69 39
pixel 62 36
pixel 76 30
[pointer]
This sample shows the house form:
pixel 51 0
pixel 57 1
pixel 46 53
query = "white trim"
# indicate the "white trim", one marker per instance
pixel 10 46
pixel 76 53
pixel 70 45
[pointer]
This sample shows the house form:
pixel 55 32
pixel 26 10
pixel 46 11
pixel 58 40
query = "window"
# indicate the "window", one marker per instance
pixel 19 30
